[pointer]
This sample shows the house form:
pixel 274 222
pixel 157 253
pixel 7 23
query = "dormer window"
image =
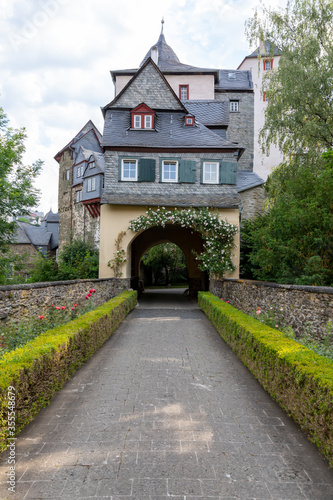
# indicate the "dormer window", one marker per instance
pixel 91 164
pixel 142 118
pixel 189 121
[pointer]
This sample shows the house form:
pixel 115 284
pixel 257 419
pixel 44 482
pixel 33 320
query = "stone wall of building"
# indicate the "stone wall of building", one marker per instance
pixel 252 202
pixel 305 308
pixel 32 300
pixel 241 126
pixel 65 198
pixel 161 193
pixel 74 218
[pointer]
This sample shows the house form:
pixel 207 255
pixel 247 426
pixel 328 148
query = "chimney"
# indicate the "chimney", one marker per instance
pixel 154 54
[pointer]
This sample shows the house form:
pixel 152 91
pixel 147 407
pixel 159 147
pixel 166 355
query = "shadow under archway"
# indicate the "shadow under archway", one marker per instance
pixel 185 238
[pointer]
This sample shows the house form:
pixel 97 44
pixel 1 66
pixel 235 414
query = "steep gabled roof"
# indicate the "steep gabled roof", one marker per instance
pixel 167 61
pixel 148 86
pixel 265 52
pixel 88 127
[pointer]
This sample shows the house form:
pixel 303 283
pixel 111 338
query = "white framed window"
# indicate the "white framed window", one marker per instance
pixel 169 171
pixel 129 170
pixel 91 184
pixel 67 175
pixel 80 170
pixel 137 121
pixel 210 173
pixel 148 121
pixel 92 164
pixel 183 92
pixel 78 196
pixel 234 106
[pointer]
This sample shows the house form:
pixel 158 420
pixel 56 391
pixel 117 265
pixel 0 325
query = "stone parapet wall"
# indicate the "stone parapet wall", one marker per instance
pixel 31 300
pixel 305 308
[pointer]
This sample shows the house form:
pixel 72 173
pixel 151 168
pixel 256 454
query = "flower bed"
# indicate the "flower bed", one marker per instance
pixel 300 380
pixel 36 371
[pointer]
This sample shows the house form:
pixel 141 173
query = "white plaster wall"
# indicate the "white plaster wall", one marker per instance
pixel 200 86
pixel 263 165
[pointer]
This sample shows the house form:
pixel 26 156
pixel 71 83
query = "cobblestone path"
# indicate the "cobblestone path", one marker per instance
pixel 165 410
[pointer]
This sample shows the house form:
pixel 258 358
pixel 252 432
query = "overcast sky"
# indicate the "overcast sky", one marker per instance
pixel 56 57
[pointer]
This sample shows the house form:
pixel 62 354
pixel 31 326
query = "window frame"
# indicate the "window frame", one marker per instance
pixel 186 88
pixel 78 195
pixel 137 121
pixel 270 64
pixel 205 164
pixel 170 161
pixel 127 160
pixel 189 121
pixel 234 103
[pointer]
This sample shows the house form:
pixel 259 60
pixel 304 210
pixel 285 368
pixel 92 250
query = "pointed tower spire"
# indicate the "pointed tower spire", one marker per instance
pixel 162 22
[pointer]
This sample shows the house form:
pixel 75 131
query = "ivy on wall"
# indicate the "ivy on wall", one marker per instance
pixel 217 235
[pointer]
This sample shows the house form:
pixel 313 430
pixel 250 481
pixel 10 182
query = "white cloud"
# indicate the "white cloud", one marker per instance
pixel 56 56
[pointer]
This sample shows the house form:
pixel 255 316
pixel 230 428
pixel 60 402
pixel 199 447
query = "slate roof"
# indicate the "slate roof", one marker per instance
pixel 167 62
pixel 82 138
pixel 209 112
pixel 170 133
pixel 248 180
pixel 26 233
pixel 266 51
pixel 51 217
pixel 169 195
pixel 242 80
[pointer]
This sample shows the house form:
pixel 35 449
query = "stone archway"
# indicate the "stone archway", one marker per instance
pixel 185 238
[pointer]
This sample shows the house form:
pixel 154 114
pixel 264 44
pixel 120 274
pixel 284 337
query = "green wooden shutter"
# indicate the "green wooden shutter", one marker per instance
pixel 187 171
pixel 119 171
pixel 146 171
pixel 228 172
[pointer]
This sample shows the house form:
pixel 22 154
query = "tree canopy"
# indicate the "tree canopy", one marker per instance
pixel 292 242
pixel 17 193
pixel 299 112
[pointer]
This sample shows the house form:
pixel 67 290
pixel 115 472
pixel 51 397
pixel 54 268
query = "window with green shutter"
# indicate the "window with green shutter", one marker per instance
pixel 187 171
pixel 146 170
pixel 228 172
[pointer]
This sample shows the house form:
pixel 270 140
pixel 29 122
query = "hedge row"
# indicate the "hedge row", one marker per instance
pixel 297 378
pixel 40 368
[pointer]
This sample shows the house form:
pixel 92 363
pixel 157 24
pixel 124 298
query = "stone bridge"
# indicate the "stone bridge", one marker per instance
pixel 165 410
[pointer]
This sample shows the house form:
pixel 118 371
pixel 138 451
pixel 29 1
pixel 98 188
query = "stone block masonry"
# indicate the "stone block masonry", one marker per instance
pixel 305 308
pixel 31 300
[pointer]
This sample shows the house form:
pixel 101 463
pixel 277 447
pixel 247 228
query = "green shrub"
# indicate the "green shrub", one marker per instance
pixel 300 380
pixel 40 368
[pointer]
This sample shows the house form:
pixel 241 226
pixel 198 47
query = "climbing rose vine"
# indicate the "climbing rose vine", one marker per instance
pixel 218 235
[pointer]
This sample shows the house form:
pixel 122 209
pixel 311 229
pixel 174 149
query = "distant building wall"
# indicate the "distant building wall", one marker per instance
pixel 263 164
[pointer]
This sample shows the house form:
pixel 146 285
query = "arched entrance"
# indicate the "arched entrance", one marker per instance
pixel 185 238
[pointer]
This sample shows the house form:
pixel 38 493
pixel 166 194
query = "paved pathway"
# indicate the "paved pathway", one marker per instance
pixel 164 410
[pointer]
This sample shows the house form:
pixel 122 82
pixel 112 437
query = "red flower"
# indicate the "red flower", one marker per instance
pixel 57 307
pixel 62 308
pixel 92 290
pixel 41 317
pixel 87 297
pixel 72 308
pixel 75 305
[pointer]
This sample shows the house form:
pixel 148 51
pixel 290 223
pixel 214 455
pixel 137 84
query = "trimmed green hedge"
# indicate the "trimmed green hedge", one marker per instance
pixel 40 368
pixel 297 378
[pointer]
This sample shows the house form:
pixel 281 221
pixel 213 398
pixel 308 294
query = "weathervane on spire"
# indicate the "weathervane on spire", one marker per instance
pixel 162 22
